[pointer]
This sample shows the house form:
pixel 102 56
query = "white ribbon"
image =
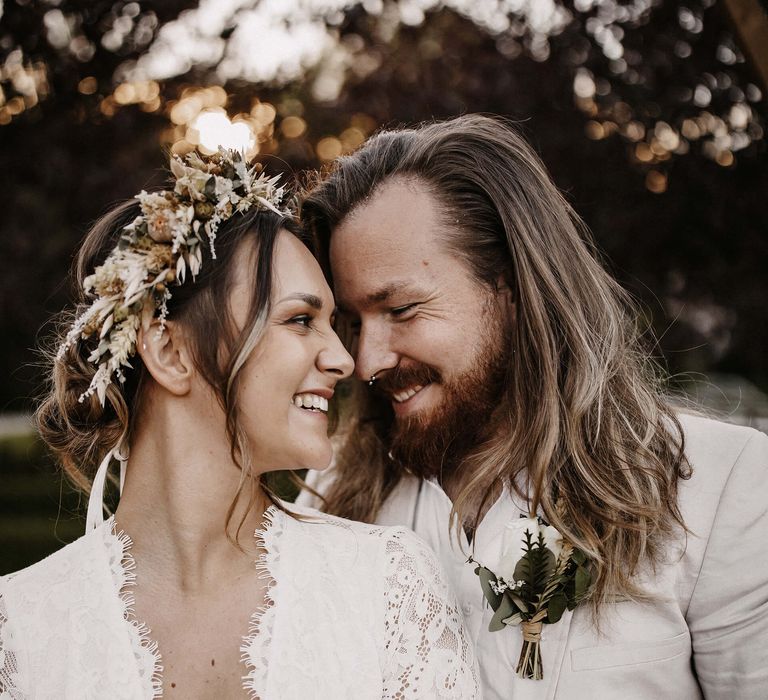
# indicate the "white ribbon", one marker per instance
pixel 95 516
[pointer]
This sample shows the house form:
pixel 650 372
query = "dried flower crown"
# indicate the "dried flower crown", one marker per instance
pixel 157 248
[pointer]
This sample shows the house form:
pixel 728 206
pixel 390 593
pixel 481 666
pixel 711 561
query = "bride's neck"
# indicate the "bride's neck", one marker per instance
pixel 180 484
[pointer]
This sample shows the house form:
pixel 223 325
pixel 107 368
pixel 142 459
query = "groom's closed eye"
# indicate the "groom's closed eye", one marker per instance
pixel 403 312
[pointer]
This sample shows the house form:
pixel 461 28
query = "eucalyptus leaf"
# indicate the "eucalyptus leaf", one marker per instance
pixel 556 607
pixel 486 577
pixel 515 619
pixel 579 557
pixel 504 610
pixel 519 602
pixel 583 579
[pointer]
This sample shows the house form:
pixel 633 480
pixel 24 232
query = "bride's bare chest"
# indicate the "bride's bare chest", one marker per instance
pixel 199 637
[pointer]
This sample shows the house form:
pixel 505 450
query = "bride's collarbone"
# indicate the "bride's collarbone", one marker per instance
pixel 199 635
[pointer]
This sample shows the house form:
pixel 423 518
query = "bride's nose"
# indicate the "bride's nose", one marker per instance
pixel 334 358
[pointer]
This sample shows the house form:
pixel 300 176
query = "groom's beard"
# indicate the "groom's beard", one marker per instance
pixel 432 443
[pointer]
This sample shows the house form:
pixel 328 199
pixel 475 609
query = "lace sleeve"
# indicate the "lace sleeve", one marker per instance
pixel 429 653
pixel 10 673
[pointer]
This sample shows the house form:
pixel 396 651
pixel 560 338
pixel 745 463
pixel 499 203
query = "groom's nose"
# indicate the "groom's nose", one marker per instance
pixel 375 351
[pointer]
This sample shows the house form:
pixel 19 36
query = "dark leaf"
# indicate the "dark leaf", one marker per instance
pixel 505 609
pixel 486 577
pixel 556 607
pixel 583 579
pixel 518 601
pixel 535 567
pixel 210 187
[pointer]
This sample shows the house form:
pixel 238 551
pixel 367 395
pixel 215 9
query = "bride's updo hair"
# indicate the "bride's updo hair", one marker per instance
pixel 80 432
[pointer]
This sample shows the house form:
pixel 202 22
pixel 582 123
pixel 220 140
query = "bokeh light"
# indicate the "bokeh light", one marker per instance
pixel 213 129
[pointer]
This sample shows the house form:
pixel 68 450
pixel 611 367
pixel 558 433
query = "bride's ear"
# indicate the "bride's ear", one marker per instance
pixel 166 356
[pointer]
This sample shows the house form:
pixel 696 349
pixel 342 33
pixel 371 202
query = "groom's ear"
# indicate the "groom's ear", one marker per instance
pixel 506 298
pixel 166 356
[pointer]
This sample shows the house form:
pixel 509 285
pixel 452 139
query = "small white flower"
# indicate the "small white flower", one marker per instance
pixel 498 587
pixel 224 189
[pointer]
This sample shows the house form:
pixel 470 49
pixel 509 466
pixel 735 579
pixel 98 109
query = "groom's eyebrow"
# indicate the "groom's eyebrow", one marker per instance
pixel 379 296
pixel 309 299
pixel 388 291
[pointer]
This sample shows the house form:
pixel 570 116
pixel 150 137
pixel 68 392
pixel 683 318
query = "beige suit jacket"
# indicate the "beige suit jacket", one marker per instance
pixel 706 634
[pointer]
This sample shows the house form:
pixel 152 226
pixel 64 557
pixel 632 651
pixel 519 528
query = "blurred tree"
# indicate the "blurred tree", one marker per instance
pixel 647 114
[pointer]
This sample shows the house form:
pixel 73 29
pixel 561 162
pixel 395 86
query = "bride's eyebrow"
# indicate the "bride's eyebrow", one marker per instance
pixel 309 299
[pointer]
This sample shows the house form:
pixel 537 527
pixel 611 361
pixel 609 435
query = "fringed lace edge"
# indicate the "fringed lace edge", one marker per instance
pixel 262 620
pixel 140 633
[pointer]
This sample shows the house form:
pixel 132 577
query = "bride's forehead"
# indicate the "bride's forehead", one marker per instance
pixel 295 270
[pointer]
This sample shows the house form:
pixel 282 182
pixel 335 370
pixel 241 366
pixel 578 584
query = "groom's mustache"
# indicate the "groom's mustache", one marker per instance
pixel 403 377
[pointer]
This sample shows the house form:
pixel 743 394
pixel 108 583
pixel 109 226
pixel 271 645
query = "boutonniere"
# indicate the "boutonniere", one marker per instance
pixel 538 578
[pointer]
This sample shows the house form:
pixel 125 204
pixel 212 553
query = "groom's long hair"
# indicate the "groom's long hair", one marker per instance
pixel 587 434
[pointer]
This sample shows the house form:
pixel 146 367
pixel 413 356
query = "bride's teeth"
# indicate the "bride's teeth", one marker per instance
pixel 310 401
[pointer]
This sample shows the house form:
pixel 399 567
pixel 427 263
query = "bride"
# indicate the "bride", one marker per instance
pixel 202 346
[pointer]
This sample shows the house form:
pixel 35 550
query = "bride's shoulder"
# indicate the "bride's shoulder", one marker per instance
pixel 310 519
pixel 389 545
pixel 72 565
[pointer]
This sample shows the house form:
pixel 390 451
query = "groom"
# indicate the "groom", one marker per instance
pixel 502 376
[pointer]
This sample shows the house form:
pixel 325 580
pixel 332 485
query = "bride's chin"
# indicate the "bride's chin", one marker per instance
pixel 321 465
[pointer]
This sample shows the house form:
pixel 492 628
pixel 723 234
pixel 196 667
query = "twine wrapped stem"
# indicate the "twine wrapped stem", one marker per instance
pixel 529 664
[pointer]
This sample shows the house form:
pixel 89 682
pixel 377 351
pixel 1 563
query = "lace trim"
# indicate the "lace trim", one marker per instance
pixel 145 650
pixel 257 643
pixel 10 678
pixel 430 654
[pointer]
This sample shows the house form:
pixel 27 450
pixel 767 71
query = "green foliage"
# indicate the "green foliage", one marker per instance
pixel 486 577
pixel 544 586
pixel 579 557
pixel 582 579
pixel 557 606
pixel 535 567
pixel 505 610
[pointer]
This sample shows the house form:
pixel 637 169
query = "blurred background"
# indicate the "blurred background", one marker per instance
pixel 650 115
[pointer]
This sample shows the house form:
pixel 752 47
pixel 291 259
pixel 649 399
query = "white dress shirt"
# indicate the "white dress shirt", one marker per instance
pixel 704 636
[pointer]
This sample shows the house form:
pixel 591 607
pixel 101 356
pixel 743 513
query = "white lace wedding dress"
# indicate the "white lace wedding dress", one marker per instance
pixel 353 611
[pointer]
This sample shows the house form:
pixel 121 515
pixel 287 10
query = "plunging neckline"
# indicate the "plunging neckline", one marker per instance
pixel 255 643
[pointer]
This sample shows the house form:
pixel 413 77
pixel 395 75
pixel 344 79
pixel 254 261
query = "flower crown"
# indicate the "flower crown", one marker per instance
pixel 157 248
